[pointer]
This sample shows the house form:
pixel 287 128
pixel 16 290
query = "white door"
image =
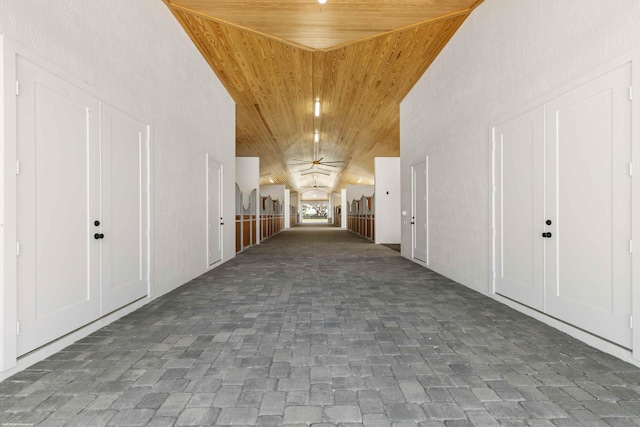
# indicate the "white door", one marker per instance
pixel 588 202
pixel 519 210
pixel 123 223
pixel 215 220
pixel 58 200
pixel 419 211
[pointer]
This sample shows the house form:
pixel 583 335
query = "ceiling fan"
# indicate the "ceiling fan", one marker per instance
pixel 314 165
pixel 317 162
pixel 315 186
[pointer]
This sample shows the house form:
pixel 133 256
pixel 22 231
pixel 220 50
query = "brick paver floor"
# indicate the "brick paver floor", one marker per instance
pixel 317 326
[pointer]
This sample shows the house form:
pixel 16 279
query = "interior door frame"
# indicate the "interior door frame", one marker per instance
pixel 219 221
pixel 414 203
pixel 632 356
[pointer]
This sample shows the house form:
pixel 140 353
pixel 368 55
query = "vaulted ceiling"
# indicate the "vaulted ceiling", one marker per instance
pixel 359 58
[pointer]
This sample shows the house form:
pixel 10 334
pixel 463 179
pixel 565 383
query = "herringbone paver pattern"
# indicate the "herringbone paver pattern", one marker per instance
pixel 319 327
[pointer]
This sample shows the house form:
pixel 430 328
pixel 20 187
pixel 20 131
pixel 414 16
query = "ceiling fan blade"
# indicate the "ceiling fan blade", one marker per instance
pixel 335 161
pixel 320 159
pixel 327 165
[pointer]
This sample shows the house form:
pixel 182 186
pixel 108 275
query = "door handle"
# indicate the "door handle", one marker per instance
pixel 546 235
pixel 98 236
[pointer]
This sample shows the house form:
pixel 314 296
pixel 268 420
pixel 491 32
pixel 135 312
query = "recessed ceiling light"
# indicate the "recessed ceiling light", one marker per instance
pixel 322 1
pixel 316 137
pixel 316 110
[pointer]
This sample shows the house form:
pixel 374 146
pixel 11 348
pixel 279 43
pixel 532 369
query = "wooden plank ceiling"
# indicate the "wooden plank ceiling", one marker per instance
pixel 358 57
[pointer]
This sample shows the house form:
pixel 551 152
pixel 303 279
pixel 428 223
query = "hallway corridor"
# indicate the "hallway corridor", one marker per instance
pixel 317 326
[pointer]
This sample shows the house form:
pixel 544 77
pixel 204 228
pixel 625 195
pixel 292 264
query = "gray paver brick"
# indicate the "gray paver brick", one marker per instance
pixel 294 384
pixel 198 417
pixel 413 392
pixel 227 396
pixel 405 412
pixel 131 417
pixel 302 415
pixel 342 414
pixel 273 403
pixel 444 411
pixel 375 341
pixel 321 394
pixel 173 405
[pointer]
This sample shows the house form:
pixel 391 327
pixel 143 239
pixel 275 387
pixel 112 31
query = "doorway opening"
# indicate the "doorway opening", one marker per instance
pixel 315 212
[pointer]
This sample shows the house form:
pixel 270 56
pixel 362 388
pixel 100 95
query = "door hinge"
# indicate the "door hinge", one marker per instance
pixel 630 169
pixel 631 321
pixel 17 167
pixel 630 246
pixel 18 248
pixel 18 327
pixel 17 88
pixel 630 93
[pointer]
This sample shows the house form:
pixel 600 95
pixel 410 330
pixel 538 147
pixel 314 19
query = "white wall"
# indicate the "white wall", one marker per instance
pixel 248 179
pixel 387 202
pixel 276 191
pixel 138 58
pixel 343 202
pixel 507 53
pixel 357 191
pixel 287 208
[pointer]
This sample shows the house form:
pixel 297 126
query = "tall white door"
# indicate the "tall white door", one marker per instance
pixel 215 219
pixel 519 210
pixel 588 204
pixel 562 207
pixel 419 211
pixel 123 225
pixel 58 201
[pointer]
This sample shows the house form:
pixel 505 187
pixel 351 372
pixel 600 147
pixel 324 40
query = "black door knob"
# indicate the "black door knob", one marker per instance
pixel 548 222
pixel 96 236
pixel 96 223
pixel 546 235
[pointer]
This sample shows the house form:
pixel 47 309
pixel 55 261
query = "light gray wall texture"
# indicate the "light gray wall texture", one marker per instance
pixel 507 54
pixel 136 54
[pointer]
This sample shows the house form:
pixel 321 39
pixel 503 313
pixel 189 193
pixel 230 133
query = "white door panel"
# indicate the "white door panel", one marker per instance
pixel 588 151
pixel 124 209
pixel 419 212
pixel 518 211
pixel 58 264
pixel 214 211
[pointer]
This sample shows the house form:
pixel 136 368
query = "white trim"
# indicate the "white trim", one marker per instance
pixel 8 294
pixel 634 57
